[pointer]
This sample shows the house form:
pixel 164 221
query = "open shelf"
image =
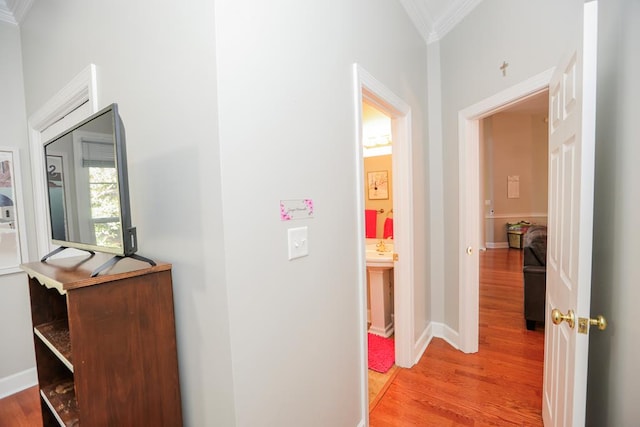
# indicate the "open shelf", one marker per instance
pixel 119 329
pixel 61 399
pixel 55 335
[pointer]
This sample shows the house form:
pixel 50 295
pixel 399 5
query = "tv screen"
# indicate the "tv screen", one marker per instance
pixel 86 169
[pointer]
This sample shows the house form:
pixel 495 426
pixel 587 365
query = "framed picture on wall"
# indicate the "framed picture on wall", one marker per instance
pixel 13 245
pixel 378 185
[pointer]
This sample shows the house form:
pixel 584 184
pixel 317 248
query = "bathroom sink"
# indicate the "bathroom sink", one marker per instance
pixel 376 258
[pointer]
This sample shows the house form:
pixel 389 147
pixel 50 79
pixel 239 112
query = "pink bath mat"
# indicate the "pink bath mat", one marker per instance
pixel 381 353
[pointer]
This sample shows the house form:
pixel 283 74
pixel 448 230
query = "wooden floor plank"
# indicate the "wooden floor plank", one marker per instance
pixel 501 385
pixel 21 409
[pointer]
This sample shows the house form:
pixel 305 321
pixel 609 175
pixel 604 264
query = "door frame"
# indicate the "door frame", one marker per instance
pixel 368 87
pixel 80 91
pixel 469 200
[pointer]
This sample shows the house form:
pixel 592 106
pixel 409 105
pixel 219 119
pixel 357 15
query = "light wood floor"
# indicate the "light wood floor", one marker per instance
pixel 501 385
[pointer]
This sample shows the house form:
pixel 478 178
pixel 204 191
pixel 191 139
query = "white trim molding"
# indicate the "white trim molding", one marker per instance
pixel 367 87
pixel 18 382
pixel 433 27
pixel 497 245
pixel 507 216
pixel 79 91
pixel 469 208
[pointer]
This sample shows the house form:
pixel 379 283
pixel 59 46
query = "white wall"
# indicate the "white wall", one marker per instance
pixel 614 377
pixel 287 132
pixel 157 60
pixel 531 37
pixel 227 113
pixel 17 356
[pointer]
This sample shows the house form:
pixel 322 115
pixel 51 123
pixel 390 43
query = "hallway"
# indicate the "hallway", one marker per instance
pixel 499 385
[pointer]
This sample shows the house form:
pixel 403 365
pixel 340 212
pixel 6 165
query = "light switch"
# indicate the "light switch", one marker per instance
pixel 298 244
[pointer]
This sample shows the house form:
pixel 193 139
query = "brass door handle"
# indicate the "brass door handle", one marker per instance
pixel 600 322
pixel 557 317
pixel 584 322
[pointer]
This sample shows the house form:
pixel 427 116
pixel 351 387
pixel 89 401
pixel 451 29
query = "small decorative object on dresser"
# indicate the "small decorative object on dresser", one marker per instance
pixel 105 346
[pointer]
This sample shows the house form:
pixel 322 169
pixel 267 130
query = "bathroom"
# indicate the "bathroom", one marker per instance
pixel 378 194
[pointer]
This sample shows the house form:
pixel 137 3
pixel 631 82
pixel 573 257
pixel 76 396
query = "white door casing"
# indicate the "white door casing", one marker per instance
pixel 368 87
pixel 76 101
pixel 469 207
pixel 572 96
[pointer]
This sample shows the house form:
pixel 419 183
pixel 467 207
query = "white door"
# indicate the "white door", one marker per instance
pixel 571 168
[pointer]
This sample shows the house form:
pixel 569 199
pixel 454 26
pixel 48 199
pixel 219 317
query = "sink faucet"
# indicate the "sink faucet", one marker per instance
pixel 380 247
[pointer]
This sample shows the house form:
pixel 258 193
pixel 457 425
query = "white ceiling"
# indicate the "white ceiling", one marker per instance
pixel 432 18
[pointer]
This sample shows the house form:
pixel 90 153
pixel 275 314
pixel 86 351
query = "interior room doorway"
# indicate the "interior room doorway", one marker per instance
pixel 369 89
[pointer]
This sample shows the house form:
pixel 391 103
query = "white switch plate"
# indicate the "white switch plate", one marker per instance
pixel 298 244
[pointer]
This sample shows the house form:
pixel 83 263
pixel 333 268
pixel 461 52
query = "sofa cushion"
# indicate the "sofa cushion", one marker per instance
pixel 535 245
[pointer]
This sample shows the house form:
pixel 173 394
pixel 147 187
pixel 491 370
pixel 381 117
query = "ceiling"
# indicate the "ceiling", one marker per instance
pixel 432 18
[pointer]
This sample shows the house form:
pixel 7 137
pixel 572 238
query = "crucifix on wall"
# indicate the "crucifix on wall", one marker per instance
pixel 503 67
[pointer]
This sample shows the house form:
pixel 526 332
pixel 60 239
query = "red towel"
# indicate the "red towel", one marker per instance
pixel 388 228
pixel 370 224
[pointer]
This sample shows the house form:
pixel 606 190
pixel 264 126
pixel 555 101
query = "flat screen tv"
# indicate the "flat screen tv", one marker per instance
pixel 88 191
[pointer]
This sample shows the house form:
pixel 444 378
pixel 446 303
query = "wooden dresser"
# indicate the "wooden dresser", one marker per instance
pixel 105 346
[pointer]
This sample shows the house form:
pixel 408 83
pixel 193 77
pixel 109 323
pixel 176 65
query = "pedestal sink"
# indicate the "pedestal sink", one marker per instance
pixel 380 268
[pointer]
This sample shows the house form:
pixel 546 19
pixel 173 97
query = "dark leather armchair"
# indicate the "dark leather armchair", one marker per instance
pixel 535 274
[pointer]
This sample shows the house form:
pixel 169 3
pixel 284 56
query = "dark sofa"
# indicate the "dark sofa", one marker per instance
pixel 535 274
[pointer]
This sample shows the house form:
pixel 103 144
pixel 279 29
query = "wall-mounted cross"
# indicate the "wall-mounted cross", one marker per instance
pixel 503 67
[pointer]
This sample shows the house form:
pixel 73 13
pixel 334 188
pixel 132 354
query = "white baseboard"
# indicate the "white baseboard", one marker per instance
pixel 441 330
pixel 434 330
pixel 18 382
pixel 423 342
pixel 497 245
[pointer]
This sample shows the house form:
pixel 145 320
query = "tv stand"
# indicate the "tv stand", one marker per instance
pixel 111 262
pixel 57 251
pixel 106 265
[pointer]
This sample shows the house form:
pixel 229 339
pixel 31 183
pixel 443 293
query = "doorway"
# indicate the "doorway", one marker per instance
pixel 513 169
pixel 369 89
pixel 469 199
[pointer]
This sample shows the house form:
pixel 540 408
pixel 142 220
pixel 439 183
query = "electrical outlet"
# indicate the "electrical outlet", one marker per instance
pixel 298 244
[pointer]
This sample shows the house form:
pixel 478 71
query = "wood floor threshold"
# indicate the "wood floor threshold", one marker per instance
pixel 395 369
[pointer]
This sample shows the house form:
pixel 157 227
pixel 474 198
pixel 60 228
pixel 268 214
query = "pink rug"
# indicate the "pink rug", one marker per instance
pixel 381 353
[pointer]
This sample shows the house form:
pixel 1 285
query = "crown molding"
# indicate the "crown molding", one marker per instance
pixel 19 8
pixel 13 11
pixel 5 13
pixel 419 16
pixel 453 16
pixel 433 28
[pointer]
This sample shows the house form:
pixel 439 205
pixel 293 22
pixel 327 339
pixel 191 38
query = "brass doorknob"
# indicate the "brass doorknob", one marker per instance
pixel 557 317
pixel 584 322
pixel 600 322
